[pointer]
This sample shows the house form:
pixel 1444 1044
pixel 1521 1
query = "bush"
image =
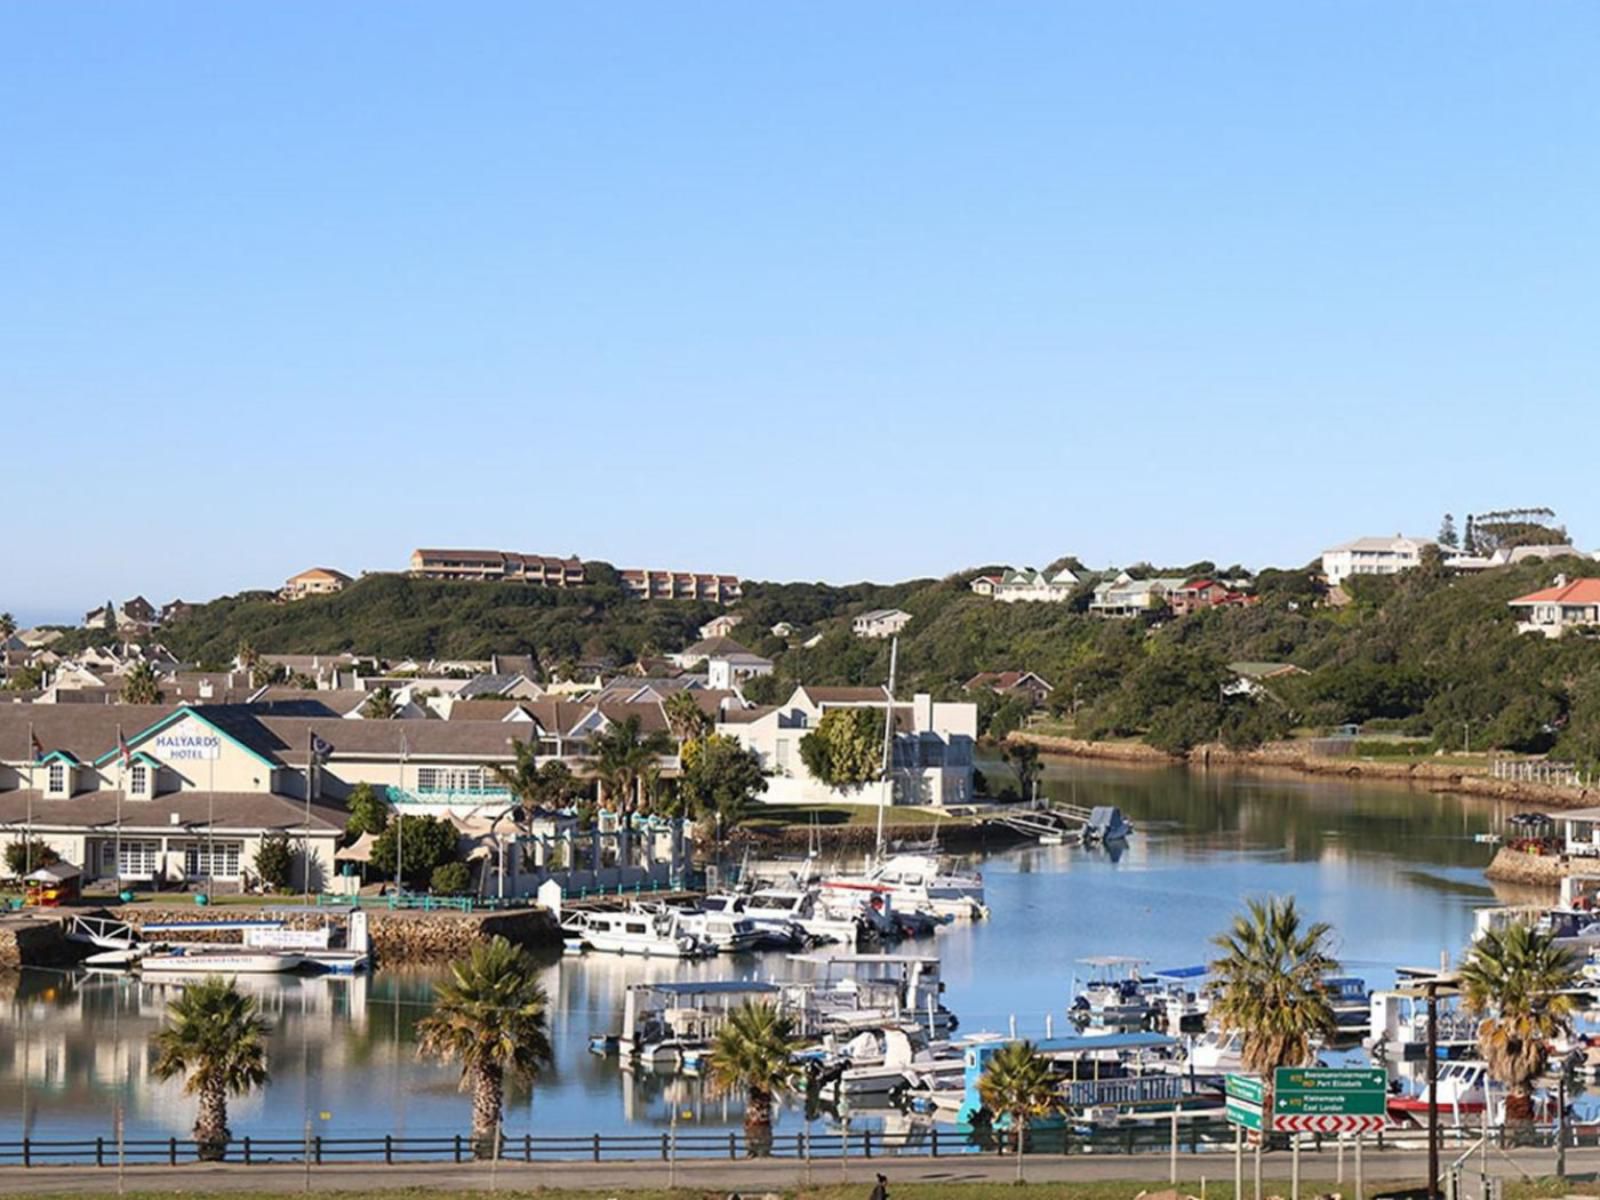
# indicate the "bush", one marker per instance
pixel 274 860
pixel 20 854
pixel 451 879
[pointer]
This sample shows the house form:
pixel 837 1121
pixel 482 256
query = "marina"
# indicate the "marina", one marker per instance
pixel 1397 873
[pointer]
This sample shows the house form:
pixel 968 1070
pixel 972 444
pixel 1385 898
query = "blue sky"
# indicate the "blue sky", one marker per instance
pixel 820 291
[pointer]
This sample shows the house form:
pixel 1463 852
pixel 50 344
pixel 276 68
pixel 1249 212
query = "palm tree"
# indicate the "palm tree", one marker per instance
pixel 534 785
pixel 216 1038
pixel 754 1051
pixel 492 1018
pixel 686 720
pixel 622 753
pixel 1017 1083
pixel 8 625
pixel 1517 980
pixel 1270 985
pixel 246 656
pixel 381 705
pixel 141 685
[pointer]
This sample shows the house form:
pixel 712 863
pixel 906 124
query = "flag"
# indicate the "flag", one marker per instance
pixel 35 746
pixel 123 752
pixel 320 750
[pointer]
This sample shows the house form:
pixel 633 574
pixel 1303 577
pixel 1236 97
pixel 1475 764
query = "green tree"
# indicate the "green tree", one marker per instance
pixel 369 813
pixel 846 747
pixel 265 674
pixel 428 842
pixel 1269 984
pixel 1447 532
pixel 754 1053
pixel 216 1039
pixel 274 860
pixel 246 656
pixel 8 625
pixel 535 786
pixel 1017 1083
pixel 624 757
pixel 1023 759
pixel 108 620
pixel 141 685
pixel 720 778
pixel 23 855
pixel 381 705
pixel 686 720
pixel 492 1017
pixel 25 679
pixel 1518 981
pixel 450 879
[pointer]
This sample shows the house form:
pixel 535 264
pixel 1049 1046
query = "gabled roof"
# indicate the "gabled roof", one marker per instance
pixel 1579 591
pixel 716 647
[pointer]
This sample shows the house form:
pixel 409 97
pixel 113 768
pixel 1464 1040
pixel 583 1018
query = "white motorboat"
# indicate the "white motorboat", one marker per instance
pixel 728 932
pixel 1216 1052
pixel 220 960
pixel 1350 1000
pixel 802 906
pixel 636 931
pixel 1116 996
pixel 773 932
pixel 916 884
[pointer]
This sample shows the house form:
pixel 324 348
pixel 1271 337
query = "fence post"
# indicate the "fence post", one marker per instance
pixel 247 1149
pixel 388 1149
pixel 27 1151
pixel 527 1147
pixel 317 1148
pixel 935 1130
pixel 733 1149
pixel 866 1143
pixel 664 1149
pixel 458 1147
pixel 172 1151
pixel 99 1152
pixel 597 1147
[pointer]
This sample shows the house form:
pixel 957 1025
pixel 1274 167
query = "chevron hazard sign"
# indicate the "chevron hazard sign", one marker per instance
pixel 1317 1123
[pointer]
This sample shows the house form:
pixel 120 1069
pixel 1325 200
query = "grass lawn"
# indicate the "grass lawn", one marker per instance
pixel 782 816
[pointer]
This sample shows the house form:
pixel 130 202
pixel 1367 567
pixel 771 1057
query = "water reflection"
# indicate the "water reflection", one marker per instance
pixel 1395 870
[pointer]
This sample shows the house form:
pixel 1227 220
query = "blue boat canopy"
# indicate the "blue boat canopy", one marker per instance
pixel 1184 972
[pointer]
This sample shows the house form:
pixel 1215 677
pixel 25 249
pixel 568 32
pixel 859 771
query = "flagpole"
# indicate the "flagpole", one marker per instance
pixel 400 824
pixel 33 757
pixel 122 777
pixel 311 776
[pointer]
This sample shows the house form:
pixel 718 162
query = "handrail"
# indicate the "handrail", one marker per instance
pixel 1200 1136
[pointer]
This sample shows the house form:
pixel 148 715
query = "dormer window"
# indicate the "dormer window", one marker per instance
pixel 139 781
pixel 56 783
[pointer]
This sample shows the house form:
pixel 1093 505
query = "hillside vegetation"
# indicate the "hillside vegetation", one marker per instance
pixel 1425 654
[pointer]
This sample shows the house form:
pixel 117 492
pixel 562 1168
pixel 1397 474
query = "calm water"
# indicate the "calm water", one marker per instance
pixel 1396 872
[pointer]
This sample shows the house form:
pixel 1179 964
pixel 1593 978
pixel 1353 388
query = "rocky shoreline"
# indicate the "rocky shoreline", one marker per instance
pixel 1534 870
pixel 1288 756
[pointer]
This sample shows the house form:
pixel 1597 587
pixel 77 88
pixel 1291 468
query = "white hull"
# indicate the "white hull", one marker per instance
pixel 220 962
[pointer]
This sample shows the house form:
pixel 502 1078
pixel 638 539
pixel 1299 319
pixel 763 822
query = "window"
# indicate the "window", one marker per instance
pixel 451 779
pixel 58 778
pixel 208 860
pixel 139 859
pixel 139 779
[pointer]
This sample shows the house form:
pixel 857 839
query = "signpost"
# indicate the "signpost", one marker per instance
pixel 1245 1097
pixel 1329 1100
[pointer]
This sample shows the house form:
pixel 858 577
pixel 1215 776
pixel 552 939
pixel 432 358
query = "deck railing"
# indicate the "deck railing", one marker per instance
pixel 672 1145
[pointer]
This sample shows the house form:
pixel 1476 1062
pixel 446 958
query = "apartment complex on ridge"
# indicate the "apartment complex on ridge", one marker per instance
pixel 649 584
pixel 483 566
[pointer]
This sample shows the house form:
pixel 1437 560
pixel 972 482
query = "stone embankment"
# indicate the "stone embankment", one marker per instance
pixel 30 941
pixel 397 935
pixel 1290 756
pixel 1517 866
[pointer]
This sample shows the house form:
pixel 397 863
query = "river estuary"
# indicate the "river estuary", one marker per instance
pixel 1396 872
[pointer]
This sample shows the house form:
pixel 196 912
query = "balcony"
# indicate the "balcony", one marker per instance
pixel 487 794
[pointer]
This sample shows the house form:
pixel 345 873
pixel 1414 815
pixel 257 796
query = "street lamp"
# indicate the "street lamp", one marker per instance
pixel 1430 988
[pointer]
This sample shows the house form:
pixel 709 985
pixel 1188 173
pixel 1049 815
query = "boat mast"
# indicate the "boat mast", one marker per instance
pixel 888 747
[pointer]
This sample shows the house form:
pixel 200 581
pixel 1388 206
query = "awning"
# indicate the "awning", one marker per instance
pixel 358 851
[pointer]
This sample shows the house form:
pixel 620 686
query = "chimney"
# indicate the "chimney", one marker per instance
pixel 921 712
pixel 1561 580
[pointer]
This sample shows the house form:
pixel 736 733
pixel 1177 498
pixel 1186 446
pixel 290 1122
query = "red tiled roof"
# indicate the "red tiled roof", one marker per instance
pixel 1579 591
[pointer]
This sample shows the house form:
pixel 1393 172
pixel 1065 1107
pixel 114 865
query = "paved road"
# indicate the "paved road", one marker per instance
pixel 1389 1167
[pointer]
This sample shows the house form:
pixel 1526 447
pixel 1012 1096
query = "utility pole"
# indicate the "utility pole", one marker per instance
pixel 888 747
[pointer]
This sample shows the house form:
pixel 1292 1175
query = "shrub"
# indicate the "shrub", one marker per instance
pixel 451 879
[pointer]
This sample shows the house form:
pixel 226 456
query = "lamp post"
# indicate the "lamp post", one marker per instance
pixel 1429 989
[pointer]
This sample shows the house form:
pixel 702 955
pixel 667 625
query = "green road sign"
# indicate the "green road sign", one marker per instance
pixel 1246 1087
pixel 1330 1092
pixel 1242 1112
